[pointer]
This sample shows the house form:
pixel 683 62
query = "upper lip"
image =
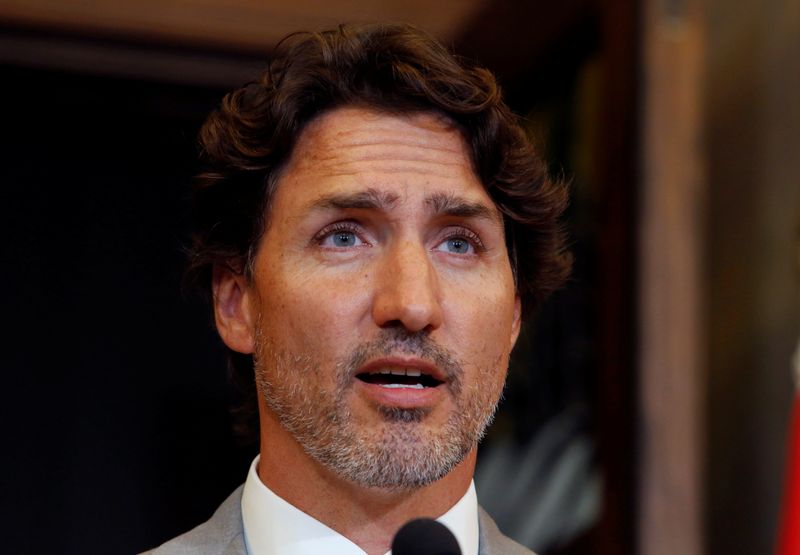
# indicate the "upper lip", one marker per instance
pixel 403 363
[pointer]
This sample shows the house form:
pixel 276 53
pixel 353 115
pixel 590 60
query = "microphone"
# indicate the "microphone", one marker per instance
pixel 425 536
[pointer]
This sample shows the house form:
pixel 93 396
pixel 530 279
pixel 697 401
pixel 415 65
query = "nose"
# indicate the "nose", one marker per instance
pixel 407 292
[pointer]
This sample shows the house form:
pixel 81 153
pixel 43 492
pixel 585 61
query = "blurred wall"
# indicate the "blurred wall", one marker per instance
pixel 720 308
pixel 752 127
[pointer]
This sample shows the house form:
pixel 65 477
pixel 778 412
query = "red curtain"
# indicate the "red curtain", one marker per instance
pixel 789 534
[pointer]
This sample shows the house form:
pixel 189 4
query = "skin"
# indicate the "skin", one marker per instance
pixel 378 223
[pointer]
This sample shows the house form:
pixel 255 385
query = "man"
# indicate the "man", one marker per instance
pixel 372 224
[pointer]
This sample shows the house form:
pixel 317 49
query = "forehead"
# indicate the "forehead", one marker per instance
pixel 403 157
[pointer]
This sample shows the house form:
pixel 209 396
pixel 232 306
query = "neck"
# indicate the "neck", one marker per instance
pixel 367 516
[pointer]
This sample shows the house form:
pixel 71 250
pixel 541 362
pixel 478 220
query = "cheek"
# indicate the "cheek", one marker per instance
pixel 484 329
pixel 483 316
pixel 311 311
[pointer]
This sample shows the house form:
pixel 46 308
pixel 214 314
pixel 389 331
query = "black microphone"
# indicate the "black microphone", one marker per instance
pixel 425 536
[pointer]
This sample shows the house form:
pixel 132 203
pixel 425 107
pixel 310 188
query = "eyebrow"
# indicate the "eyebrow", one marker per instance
pixel 450 205
pixel 440 204
pixel 371 199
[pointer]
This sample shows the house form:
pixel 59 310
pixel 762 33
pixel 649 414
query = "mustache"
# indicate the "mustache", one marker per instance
pixel 398 341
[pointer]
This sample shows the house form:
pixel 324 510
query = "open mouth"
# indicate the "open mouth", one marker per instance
pixel 398 378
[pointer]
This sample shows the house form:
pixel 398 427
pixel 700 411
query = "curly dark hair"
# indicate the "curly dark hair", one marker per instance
pixel 393 69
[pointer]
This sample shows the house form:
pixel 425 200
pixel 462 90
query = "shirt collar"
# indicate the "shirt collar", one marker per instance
pixel 273 526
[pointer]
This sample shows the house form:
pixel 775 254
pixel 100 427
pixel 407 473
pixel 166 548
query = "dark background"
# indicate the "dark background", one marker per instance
pixel 115 399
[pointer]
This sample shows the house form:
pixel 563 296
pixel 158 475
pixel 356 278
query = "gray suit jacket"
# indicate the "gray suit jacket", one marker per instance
pixel 223 534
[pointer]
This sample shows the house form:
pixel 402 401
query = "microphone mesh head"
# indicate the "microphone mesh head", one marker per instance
pixel 425 536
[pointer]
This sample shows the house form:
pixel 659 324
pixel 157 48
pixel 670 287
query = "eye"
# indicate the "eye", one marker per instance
pixel 340 236
pixel 457 245
pixel 343 239
pixel 461 241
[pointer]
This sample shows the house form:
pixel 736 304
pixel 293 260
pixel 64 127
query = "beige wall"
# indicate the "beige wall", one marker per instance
pixel 671 261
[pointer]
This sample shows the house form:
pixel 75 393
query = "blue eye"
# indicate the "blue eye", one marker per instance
pixel 340 238
pixel 344 239
pixel 456 245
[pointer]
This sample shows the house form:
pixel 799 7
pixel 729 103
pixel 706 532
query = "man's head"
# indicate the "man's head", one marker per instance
pixel 372 208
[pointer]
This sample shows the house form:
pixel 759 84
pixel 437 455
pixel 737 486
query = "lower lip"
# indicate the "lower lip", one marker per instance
pixel 401 397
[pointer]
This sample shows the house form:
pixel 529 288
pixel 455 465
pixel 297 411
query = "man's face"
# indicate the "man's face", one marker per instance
pixel 382 304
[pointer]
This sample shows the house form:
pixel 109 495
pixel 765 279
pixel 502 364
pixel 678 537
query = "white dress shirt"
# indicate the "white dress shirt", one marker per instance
pixel 272 526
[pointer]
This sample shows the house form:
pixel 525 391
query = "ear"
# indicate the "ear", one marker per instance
pixel 517 323
pixel 233 309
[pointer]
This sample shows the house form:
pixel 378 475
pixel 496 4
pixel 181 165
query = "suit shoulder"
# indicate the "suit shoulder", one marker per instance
pixel 494 542
pixel 222 534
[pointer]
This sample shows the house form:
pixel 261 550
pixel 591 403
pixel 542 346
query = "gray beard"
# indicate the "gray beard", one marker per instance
pixel 400 452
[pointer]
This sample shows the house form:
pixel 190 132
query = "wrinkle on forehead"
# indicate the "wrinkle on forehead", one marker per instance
pixel 362 140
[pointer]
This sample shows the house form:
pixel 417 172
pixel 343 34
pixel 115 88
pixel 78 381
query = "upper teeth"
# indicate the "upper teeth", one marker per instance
pixel 401 372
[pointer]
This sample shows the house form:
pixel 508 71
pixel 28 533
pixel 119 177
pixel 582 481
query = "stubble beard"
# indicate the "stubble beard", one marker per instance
pixel 402 451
